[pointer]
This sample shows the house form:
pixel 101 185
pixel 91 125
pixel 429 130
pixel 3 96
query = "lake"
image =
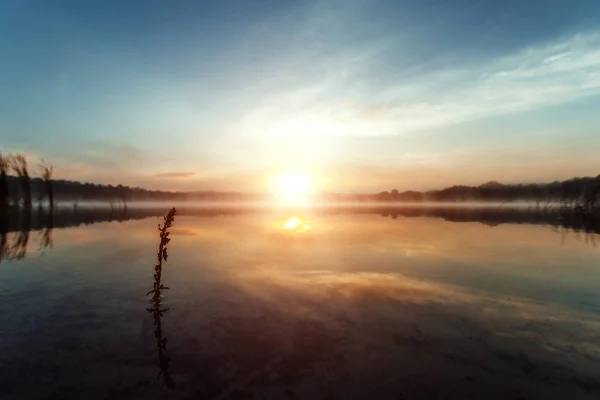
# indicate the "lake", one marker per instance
pixel 299 304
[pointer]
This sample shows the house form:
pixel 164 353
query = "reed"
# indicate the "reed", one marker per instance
pixel 162 254
pixel 156 309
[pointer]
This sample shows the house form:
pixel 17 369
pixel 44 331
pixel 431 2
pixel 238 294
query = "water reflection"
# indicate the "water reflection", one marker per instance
pixel 161 342
pixel 296 224
pixel 15 227
pixel 16 249
pixel 15 232
pixel 46 235
pixel 19 246
pixel 3 246
pixel 356 307
pixel 66 217
pixel 588 237
pixel 15 245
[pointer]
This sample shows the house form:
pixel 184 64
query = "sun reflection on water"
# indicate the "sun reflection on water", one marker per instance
pixel 295 224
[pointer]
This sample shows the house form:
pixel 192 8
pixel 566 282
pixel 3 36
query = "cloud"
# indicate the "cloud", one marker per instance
pixel 348 86
pixel 175 175
pixel 348 99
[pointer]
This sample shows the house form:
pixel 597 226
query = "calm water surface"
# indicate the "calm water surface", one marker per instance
pixel 281 305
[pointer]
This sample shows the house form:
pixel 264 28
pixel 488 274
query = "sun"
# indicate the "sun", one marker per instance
pixel 293 187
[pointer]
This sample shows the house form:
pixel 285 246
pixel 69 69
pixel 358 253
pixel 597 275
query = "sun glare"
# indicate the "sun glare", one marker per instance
pixel 295 224
pixel 293 188
pixel 291 223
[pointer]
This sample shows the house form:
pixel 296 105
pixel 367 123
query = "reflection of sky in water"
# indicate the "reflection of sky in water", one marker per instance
pixel 309 304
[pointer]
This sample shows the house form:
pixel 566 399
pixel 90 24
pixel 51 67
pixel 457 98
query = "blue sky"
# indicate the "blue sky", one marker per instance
pixel 364 95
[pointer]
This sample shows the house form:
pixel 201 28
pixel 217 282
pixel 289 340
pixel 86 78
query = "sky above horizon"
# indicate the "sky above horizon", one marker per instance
pixel 363 95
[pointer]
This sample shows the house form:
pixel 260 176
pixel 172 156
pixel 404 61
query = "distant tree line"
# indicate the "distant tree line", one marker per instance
pixel 575 192
pixel 18 188
pixel 74 192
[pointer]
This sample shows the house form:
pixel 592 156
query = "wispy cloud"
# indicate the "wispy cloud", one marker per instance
pixel 343 103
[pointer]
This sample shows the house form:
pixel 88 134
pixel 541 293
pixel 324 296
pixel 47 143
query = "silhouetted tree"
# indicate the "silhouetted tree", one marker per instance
pixel 4 167
pixel 3 233
pixel 124 194
pixel 47 172
pixel 19 166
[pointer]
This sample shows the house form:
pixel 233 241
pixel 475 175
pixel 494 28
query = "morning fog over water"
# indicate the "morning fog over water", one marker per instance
pixel 386 303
